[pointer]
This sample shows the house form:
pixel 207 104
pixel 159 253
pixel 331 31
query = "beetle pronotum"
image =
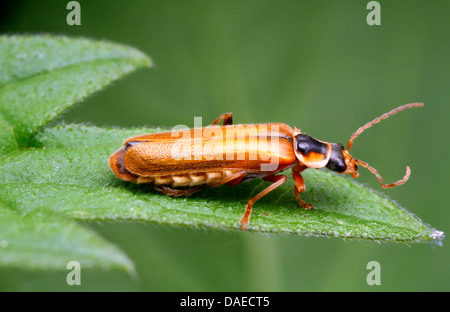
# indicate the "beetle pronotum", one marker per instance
pixel 184 162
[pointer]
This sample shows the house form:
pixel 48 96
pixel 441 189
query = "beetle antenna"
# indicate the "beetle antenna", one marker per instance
pixel 377 120
pixel 374 171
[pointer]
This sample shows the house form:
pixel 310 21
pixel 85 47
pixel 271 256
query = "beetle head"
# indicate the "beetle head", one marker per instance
pixel 317 154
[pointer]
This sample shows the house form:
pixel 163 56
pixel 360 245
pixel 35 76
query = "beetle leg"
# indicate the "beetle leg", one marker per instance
pixel 299 186
pixel 276 182
pixel 174 192
pixel 226 117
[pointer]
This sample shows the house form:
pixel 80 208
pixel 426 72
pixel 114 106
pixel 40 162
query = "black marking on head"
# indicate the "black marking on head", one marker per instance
pixel 307 144
pixel 337 161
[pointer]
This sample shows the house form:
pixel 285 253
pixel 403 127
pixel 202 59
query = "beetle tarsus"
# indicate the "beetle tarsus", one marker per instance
pixel 302 204
pixel 246 217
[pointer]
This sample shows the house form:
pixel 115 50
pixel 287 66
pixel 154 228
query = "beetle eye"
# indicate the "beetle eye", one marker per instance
pixel 337 161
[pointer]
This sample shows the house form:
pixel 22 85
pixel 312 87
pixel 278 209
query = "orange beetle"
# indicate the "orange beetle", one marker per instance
pixel 184 162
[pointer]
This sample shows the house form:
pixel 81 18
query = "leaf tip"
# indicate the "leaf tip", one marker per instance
pixel 146 60
pixel 141 58
pixel 438 236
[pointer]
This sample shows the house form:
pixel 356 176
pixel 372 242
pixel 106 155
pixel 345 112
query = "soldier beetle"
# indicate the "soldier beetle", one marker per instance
pixel 184 162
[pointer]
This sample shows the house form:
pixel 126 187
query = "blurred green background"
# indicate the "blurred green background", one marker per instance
pixel 316 65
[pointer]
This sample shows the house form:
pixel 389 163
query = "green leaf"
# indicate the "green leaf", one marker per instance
pixel 43 240
pixel 68 172
pixel 40 77
pixel 50 177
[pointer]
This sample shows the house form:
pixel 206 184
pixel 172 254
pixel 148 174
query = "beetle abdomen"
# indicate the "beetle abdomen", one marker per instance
pixel 187 180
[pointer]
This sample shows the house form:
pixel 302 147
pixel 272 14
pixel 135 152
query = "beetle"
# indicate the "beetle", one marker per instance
pixel 180 163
